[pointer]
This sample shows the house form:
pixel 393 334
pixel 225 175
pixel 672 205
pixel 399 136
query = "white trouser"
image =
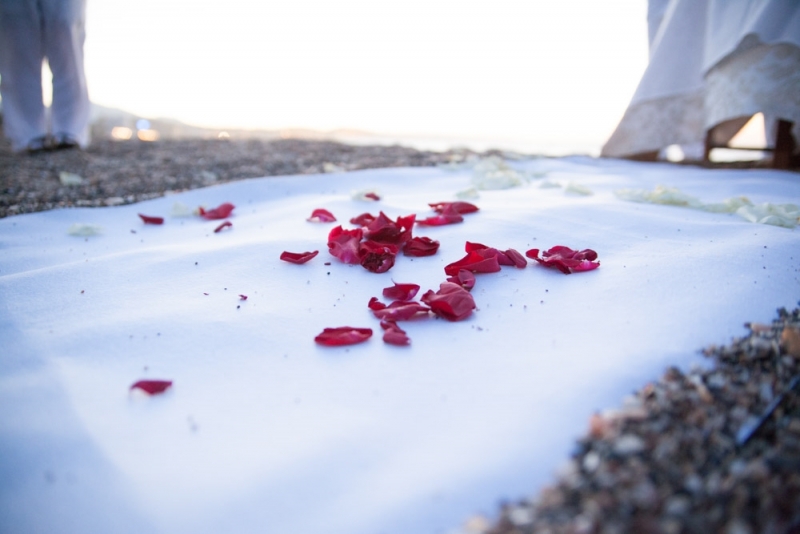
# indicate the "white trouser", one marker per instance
pixel 30 31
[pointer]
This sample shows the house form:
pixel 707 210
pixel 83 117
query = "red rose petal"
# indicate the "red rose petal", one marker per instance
pixel 377 257
pixel 242 297
pixel 219 228
pixel 399 310
pixel 393 334
pixel 152 387
pixel 448 216
pixel 474 262
pixel 458 207
pixel 464 278
pixel 343 335
pixel 469 246
pixel 401 291
pixel 363 220
pixel 565 259
pixel 420 246
pixel 220 212
pixel 152 220
pixel 375 304
pixel 519 260
pixel 385 230
pixel 298 257
pixel 321 215
pixel 452 302
pixel 372 196
pixel 344 244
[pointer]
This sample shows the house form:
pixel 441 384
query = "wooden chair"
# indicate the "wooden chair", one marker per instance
pixel 783 153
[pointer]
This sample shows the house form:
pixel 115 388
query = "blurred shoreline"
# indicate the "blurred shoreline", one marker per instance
pixel 112 123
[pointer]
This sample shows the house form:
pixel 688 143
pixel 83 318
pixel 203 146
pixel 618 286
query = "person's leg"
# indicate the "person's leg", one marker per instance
pixel 64 34
pixel 21 56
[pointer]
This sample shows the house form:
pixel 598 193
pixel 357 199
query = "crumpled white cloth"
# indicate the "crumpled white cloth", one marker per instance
pixel 264 431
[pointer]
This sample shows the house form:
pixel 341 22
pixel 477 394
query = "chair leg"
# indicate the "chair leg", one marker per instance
pixel 784 146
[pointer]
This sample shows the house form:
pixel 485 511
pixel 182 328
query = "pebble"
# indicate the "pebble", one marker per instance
pixel 112 173
pixel 675 467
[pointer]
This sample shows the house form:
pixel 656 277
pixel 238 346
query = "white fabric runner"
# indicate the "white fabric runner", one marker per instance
pixel 264 431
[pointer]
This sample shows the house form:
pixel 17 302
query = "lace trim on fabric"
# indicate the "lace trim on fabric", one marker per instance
pixel 654 124
pixel 764 79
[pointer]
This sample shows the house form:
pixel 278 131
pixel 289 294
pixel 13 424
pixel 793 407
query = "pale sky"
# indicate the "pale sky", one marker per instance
pixel 532 71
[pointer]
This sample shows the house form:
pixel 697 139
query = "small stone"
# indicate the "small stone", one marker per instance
pixel 520 515
pixel 475 525
pixel 693 483
pixel 737 526
pixel 591 462
pixel 69 178
pixel 794 426
pixel 790 341
pixel 644 494
pixel 677 505
pixel 628 444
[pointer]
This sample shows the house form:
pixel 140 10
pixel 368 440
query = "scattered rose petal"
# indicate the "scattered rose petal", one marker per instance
pixel 489 252
pixel 464 278
pixel 344 244
pixel 578 189
pixel 786 215
pixel 180 209
pixel 452 301
pixel 420 246
pixel 369 195
pixel 329 167
pixel 393 334
pixel 219 228
pixel 401 291
pixel 398 310
pixel 475 262
pixel 85 230
pixel 152 220
pixel 220 212
pixel 242 297
pixel 375 304
pixel 510 257
pixel 298 257
pixel 458 207
pixel 69 178
pixel 343 335
pixel 385 230
pixel 470 192
pixel 518 259
pixel 152 387
pixel 377 257
pixel 322 216
pixel 448 216
pixel 494 173
pixel 363 220
pixel 565 259
pixel 549 184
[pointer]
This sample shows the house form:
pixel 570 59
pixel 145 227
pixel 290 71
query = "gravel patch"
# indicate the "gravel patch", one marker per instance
pixel 711 450
pixel 111 173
